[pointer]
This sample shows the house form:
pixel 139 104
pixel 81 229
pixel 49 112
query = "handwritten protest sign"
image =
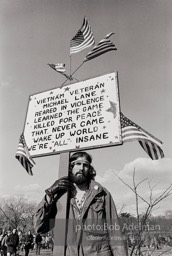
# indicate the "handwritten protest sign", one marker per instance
pixel 78 116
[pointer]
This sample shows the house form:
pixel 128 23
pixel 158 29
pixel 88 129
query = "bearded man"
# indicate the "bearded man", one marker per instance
pixel 93 227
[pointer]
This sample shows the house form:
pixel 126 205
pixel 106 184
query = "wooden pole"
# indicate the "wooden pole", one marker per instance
pixel 62 206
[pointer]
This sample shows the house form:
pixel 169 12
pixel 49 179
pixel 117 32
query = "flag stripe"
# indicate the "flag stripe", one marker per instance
pixel 77 40
pixel 83 39
pixel 23 155
pixel 154 148
pixel 127 136
pixel 99 51
pixel 157 151
pixel 25 163
pixel 82 46
pixel 149 149
pixel 102 47
pixel 88 42
pixel 131 131
pixel 125 123
pixel 58 67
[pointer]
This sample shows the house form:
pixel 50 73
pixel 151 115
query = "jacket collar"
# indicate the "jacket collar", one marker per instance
pixel 94 189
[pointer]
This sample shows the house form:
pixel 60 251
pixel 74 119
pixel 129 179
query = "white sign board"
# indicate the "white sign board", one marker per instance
pixel 78 116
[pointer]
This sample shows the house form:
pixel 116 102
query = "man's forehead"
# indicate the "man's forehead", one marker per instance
pixel 81 160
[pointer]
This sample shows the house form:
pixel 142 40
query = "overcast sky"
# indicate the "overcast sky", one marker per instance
pixel 37 32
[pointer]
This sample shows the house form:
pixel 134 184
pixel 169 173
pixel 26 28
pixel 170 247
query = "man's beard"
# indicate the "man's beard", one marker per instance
pixel 79 179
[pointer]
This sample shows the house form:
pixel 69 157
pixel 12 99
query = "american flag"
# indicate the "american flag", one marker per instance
pixel 105 45
pixel 23 155
pixel 60 67
pixel 83 39
pixel 131 131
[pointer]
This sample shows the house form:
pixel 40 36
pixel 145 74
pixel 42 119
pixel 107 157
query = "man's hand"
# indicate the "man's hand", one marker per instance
pixel 59 188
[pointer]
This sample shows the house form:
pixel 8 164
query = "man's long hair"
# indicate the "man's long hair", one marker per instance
pixel 88 157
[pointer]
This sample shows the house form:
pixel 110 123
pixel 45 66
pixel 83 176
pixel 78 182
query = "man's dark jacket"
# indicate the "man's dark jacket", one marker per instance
pixel 12 243
pixel 96 232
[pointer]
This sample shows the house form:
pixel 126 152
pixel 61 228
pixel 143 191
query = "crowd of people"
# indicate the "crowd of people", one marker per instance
pixel 15 243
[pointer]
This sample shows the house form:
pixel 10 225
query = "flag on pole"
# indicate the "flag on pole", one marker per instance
pixel 60 67
pixel 83 39
pixel 131 131
pixel 23 155
pixel 105 45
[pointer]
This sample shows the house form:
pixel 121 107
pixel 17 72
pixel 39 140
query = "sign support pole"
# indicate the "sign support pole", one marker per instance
pixel 62 206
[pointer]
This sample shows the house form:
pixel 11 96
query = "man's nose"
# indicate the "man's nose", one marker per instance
pixel 81 166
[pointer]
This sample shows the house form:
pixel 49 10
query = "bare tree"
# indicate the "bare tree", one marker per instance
pixel 16 213
pixel 141 234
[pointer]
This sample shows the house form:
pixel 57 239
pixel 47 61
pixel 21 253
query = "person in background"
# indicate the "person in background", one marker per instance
pixel 91 206
pixel 4 243
pixel 3 233
pixel 28 240
pixel 21 242
pixel 38 240
pixel 12 243
pixel 47 241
